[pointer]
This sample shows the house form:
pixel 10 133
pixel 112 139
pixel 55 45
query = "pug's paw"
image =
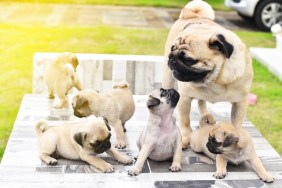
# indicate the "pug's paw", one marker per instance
pixel 51 96
pixel 175 168
pixel 134 171
pixel 267 178
pixel 107 168
pixel 52 162
pixel 120 145
pixel 220 174
pixel 125 159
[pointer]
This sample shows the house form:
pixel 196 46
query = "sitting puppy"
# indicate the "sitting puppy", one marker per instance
pixel 60 77
pixel 78 141
pixel 161 139
pixel 225 143
pixel 117 106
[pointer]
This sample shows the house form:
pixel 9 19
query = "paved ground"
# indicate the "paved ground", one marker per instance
pixel 89 15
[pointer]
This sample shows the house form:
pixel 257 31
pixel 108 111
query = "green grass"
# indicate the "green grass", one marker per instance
pixel 267 113
pixel 217 4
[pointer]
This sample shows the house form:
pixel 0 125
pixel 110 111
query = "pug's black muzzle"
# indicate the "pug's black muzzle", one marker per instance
pixel 212 148
pixel 182 70
pixel 171 95
pixel 152 102
pixel 101 146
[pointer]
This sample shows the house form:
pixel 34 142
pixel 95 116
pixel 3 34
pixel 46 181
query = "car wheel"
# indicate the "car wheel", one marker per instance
pixel 268 13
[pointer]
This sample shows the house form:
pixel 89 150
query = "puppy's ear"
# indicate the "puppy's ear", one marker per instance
pixel 74 61
pixel 107 123
pixel 80 137
pixel 229 140
pixel 219 43
pixel 81 102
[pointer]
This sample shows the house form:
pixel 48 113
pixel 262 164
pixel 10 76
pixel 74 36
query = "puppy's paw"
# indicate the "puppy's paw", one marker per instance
pixel 51 96
pixel 120 145
pixel 267 178
pixel 220 174
pixel 52 162
pixel 125 159
pixel 134 171
pixel 175 168
pixel 107 168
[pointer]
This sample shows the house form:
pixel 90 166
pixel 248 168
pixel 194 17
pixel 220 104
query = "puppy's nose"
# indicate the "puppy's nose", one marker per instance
pixel 181 54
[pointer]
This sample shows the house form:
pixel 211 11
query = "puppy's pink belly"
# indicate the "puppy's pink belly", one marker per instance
pixel 162 153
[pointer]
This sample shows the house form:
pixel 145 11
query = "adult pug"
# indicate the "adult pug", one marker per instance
pixel 225 143
pixel 209 62
pixel 117 106
pixel 76 141
pixel 161 139
pixel 61 76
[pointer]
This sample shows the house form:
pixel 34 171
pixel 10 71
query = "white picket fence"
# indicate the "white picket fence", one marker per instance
pixel 100 71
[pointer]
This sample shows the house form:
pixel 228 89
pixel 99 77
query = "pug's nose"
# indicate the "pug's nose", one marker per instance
pixel 181 55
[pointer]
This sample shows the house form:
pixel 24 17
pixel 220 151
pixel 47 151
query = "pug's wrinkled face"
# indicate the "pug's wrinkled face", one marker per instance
pixel 198 57
pixel 162 101
pixel 96 138
pixel 222 139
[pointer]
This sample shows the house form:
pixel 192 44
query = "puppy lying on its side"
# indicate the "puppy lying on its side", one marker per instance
pixel 225 143
pixel 60 77
pixel 161 139
pixel 117 106
pixel 78 141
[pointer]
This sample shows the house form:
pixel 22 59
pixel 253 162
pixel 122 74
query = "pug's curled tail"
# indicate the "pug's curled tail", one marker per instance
pixel 40 127
pixel 197 9
pixel 121 85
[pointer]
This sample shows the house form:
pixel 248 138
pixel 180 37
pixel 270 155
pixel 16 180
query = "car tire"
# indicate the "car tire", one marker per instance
pixel 268 13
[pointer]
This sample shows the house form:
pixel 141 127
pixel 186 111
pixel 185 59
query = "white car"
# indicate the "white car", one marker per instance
pixel 264 13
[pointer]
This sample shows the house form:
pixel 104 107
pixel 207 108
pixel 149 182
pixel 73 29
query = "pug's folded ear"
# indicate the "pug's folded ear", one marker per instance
pixel 218 42
pixel 80 137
